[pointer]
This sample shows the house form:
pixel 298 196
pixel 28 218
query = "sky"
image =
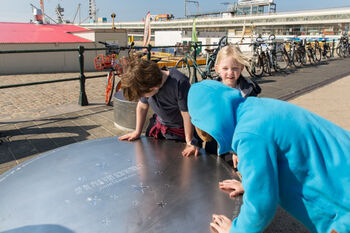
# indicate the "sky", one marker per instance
pixel 135 10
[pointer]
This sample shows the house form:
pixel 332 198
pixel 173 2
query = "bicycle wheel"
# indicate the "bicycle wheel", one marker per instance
pixel 282 60
pixel 318 54
pixel 109 87
pixel 257 67
pixel 310 56
pixel 183 66
pixel 249 70
pixel 222 42
pixel 301 57
pixel 339 51
pixel 210 65
pixel 328 52
pixel 294 59
pixel 267 65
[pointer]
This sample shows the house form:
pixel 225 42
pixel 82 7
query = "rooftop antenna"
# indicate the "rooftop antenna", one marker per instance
pixel 59 12
pixel 92 11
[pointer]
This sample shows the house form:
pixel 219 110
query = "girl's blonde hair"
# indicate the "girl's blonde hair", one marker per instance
pixel 204 135
pixel 232 51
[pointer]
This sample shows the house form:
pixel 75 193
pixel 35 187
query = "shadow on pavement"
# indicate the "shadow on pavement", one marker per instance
pixel 22 139
pixel 23 142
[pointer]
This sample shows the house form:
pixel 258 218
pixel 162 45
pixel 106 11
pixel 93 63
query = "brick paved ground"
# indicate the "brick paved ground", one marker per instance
pixel 33 102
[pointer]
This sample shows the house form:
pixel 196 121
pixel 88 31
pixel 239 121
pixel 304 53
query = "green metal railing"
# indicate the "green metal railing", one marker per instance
pixel 83 100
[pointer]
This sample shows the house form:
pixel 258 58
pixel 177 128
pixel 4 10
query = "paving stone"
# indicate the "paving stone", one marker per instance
pixel 87 125
pixel 38 137
pixel 4 167
pixel 21 148
pixel 5 155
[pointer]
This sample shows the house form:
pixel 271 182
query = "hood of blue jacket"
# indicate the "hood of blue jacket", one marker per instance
pixel 211 114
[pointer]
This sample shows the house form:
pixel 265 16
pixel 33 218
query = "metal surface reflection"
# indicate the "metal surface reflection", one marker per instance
pixel 105 185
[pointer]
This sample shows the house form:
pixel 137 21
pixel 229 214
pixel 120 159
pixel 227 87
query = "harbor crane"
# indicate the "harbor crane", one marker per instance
pixel 76 13
pixel 59 12
pixel 42 10
pixel 43 14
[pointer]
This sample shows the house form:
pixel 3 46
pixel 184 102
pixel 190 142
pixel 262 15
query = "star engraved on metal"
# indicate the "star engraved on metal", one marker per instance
pixel 140 187
pixel 158 172
pixel 161 204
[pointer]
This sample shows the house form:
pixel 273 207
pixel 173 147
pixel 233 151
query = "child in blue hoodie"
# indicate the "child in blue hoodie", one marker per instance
pixel 288 156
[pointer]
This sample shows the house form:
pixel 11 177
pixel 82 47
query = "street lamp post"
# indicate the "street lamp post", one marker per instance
pixel 113 15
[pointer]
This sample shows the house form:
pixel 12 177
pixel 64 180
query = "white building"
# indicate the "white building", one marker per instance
pixel 27 36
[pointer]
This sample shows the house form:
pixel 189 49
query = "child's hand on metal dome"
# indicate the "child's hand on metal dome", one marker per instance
pixel 190 150
pixel 234 187
pixel 220 224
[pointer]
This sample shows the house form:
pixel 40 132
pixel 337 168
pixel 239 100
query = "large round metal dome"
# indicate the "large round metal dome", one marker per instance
pixel 106 185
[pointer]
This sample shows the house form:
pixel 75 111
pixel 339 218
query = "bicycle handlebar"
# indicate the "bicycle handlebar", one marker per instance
pixel 272 37
pixel 104 43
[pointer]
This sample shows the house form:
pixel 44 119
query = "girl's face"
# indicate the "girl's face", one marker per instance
pixel 229 70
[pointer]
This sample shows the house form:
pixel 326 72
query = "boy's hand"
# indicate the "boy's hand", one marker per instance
pixel 189 150
pixel 129 136
pixel 234 185
pixel 220 224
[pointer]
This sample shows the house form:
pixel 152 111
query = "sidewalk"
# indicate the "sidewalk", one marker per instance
pixel 331 102
pixel 39 118
pixel 38 101
pixel 22 140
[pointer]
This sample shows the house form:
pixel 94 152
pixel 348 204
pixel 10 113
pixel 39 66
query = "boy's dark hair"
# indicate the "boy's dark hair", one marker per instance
pixel 140 76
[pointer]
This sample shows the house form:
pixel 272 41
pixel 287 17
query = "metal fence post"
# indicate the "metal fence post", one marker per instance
pixel 149 48
pixel 83 101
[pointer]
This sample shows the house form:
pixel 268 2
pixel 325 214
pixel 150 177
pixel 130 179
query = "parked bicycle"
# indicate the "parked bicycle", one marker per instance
pixel 310 52
pixel 297 53
pixel 326 51
pixel 114 65
pixel 343 47
pixel 185 64
pixel 317 50
pixel 256 68
pixel 267 56
pixel 277 55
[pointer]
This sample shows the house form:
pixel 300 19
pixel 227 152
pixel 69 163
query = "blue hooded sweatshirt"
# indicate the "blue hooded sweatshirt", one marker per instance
pixel 288 156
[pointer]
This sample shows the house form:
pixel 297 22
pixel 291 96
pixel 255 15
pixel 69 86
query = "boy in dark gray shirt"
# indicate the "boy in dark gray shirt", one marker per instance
pixel 166 92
